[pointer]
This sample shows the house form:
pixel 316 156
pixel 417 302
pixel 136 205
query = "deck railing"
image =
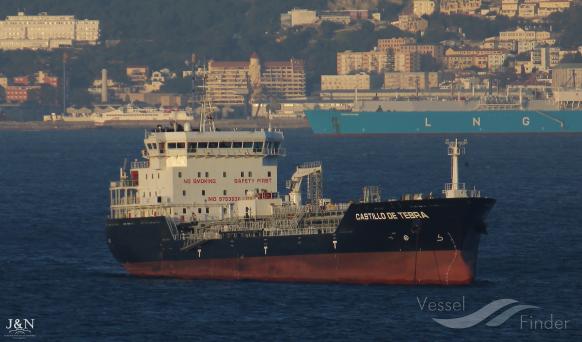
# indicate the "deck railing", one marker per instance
pixel 123 183
pixel 140 164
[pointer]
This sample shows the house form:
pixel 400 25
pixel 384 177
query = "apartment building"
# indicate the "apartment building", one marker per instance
pixel 436 51
pixel 46 32
pixel 491 60
pixel 460 6
pixel 391 43
pixel 423 7
pixel 369 61
pixel 406 61
pixel 232 82
pixel 345 82
pixel 411 23
pixel 411 80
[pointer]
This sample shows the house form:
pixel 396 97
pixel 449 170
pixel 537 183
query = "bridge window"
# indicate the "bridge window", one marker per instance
pixel 202 145
pixel 225 144
pixel 162 147
pixel 237 144
pixel 191 147
pixel 171 145
pixel 181 145
pixel 248 144
pixel 213 145
pixel 258 146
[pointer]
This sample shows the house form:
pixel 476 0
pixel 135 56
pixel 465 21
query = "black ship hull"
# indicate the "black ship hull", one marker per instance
pixel 433 241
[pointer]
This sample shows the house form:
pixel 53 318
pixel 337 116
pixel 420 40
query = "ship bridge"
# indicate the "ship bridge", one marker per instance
pixel 160 144
pixel 200 175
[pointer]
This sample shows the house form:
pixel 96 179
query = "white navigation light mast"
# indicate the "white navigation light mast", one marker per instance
pixel 454 188
pixel 207 109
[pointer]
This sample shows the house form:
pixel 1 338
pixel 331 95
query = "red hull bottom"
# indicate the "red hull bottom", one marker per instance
pixel 426 267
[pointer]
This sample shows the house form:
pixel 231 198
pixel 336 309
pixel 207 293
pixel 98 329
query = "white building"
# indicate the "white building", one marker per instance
pixel 423 7
pixel 46 32
pixel 509 7
pixel 545 58
pixel 495 61
pixel 298 17
pixel 345 82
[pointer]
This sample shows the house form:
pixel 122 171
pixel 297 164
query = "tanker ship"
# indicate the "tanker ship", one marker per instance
pixel 562 113
pixel 204 204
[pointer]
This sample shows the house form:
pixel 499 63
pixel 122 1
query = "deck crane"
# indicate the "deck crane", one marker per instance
pixel 313 173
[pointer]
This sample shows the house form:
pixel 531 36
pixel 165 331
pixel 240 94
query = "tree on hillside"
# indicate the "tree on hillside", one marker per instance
pixel 177 85
pixel 572 58
pixel 442 27
pixel 569 25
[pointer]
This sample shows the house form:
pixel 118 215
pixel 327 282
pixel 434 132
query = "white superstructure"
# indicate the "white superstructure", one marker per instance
pixel 133 113
pixel 125 113
pixel 201 175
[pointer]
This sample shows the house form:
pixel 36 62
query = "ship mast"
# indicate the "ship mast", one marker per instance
pixel 455 189
pixel 65 83
pixel 207 109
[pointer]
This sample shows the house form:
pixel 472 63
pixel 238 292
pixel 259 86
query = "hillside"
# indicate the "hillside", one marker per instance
pixel 162 33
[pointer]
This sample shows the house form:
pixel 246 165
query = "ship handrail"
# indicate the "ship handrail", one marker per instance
pixel 140 164
pixel 172 226
pixel 268 223
pixel 193 239
pixel 123 183
pixel 134 206
pixel 460 186
pixel 462 189
pixel 551 117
